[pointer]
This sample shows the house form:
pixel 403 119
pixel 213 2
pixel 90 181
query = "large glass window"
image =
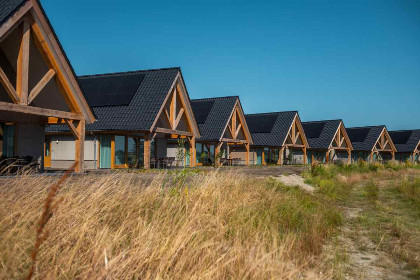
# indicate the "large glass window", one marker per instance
pixel 212 153
pixel 119 150
pixel 7 136
pixel 132 152
pixel 198 152
pixel 141 152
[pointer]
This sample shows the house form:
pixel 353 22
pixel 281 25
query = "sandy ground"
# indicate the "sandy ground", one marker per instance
pixel 295 180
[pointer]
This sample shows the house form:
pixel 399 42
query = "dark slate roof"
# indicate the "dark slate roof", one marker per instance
pixel 212 115
pixel 320 134
pixel 270 129
pixel 8 8
pixel 143 107
pixel 364 138
pixel 405 141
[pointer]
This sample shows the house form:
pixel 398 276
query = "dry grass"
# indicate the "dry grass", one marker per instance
pixel 180 226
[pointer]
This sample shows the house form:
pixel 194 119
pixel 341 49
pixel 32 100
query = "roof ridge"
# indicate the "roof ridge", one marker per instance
pixel 271 113
pixel 213 98
pixel 127 72
pixel 404 130
pixel 324 121
pixel 369 126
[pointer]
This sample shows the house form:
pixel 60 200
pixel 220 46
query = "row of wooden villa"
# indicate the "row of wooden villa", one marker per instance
pixel 146 118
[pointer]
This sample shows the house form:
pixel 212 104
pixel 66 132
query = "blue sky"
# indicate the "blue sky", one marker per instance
pixel 355 60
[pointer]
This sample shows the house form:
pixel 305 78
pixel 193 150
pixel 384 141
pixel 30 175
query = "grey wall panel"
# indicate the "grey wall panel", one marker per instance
pixel 30 140
pixel 63 148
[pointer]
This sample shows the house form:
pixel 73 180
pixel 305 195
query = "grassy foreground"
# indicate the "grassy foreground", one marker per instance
pixel 380 236
pixel 187 225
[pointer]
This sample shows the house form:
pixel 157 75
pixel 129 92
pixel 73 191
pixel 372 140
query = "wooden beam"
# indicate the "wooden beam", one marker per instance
pixel 281 154
pixel 237 130
pixel 230 130
pixel 8 87
pixel 22 80
pixel 294 131
pixel 217 151
pixel 168 118
pixel 192 151
pixel 146 153
pixel 172 131
pixel 234 140
pixel 40 85
pixel 5 106
pixel 349 158
pixel 80 146
pixel 178 118
pixel 112 151
pixel 247 154
pixel 73 129
pixel 294 145
pixel 234 123
pixel 51 63
pixel 172 110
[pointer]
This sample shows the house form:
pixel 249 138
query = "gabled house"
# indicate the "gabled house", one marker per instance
pixel 38 84
pixel 141 114
pixel 222 125
pixel 407 143
pixel 371 143
pixel 328 141
pixel 278 138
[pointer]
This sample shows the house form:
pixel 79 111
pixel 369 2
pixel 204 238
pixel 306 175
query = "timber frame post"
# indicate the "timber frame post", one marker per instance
pixel 349 154
pixel 77 128
pixel 247 154
pixel 80 146
pixel 281 155
pixel 191 140
pixel 146 153
pixel 217 152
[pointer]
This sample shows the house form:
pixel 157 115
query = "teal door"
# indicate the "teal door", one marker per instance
pixel 259 156
pixel 105 151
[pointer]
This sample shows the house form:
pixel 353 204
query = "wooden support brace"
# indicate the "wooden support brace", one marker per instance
pixel 168 118
pixel 237 131
pixel 8 87
pixel 73 129
pixel 41 84
pixel 178 118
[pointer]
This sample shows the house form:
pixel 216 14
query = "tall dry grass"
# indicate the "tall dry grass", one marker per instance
pixel 182 226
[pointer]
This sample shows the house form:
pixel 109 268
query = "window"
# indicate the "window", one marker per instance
pixel 7 136
pixel 198 152
pixel 119 150
pixel 141 152
pixel 132 152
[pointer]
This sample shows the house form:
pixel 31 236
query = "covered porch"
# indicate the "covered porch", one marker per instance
pixel 38 88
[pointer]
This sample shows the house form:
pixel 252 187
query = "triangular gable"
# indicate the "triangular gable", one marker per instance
pixel 35 68
pixel 341 139
pixel 236 127
pixel 296 136
pixel 384 142
pixel 176 114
